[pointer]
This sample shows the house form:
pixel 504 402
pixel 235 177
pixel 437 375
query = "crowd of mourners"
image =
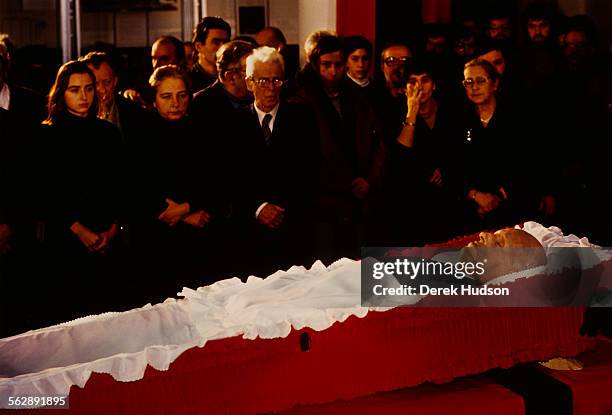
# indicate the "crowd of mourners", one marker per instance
pixel 230 162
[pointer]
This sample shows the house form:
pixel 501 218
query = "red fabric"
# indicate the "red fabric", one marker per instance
pixel 384 351
pixel 356 17
pixel 436 11
pixel 590 386
pixel 469 396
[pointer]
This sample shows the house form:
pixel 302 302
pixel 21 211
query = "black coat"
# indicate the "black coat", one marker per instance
pixel 218 127
pixel 351 146
pixel 170 160
pixel 80 177
pixel 132 118
pixel 5 178
pixel 26 106
pixel 199 78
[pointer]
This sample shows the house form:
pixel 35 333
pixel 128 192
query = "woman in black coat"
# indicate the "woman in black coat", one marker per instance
pixel 487 168
pixel 172 196
pixel 80 194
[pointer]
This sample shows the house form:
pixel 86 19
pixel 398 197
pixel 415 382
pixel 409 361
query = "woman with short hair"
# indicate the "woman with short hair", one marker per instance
pixel 171 187
pixel 490 139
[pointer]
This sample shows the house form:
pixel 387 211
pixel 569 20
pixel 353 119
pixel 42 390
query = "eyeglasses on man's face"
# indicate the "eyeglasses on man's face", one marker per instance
pixel 478 81
pixel 269 82
pixel 393 61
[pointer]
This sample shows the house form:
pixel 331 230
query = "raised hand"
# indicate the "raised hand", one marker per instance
pixel 271 216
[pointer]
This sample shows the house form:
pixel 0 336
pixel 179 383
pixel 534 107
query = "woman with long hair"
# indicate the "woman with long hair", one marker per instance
pixel 80 177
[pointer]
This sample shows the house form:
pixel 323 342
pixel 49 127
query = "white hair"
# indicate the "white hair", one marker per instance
pixel 263 54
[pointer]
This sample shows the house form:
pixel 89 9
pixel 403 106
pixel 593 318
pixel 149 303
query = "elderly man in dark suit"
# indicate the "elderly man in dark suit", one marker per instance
pixel 284 165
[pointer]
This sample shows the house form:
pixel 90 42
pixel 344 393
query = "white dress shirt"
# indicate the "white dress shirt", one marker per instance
pixel 5 97
pixel 260 116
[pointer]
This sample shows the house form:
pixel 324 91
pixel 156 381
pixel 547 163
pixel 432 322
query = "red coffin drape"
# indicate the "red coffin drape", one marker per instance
pixel 591 386
pixel 383 351
pixel 467 396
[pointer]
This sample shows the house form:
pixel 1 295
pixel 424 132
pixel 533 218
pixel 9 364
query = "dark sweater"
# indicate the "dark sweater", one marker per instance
pixel 80 173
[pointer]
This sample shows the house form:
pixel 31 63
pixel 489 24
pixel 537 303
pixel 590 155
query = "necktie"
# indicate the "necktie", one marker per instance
pixel 265 128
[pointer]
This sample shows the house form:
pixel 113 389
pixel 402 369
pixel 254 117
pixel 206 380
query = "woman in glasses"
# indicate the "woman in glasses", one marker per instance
pixel 490 139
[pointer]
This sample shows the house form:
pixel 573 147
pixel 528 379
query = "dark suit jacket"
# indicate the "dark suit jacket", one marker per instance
pixel 26 106
pixel 219 130
pixel 132 118
pixel 5 182
pixel 285 171
pixel 214 106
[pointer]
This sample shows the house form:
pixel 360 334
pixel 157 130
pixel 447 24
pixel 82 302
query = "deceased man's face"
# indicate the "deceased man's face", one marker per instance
pixel 508 237
pixel 505 251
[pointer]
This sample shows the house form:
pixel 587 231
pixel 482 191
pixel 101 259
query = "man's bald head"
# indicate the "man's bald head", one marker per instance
pixel 505 251
pixel 271 36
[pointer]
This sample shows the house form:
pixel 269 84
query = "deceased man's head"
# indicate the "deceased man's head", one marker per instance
pixel 505 251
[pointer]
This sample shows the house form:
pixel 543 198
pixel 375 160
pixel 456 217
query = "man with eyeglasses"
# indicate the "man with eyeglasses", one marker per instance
pixel 229 93
pixel 284 167
pixel 393 61
pixel 352 153
pixel 216 113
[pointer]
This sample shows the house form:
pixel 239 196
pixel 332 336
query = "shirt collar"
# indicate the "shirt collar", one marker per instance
pixel 362 84
pixel 261 115
pixel 5 97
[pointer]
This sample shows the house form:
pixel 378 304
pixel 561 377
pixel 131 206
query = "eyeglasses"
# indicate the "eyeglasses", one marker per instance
pixel 470 82
pixel 393 61
pixel 269 82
